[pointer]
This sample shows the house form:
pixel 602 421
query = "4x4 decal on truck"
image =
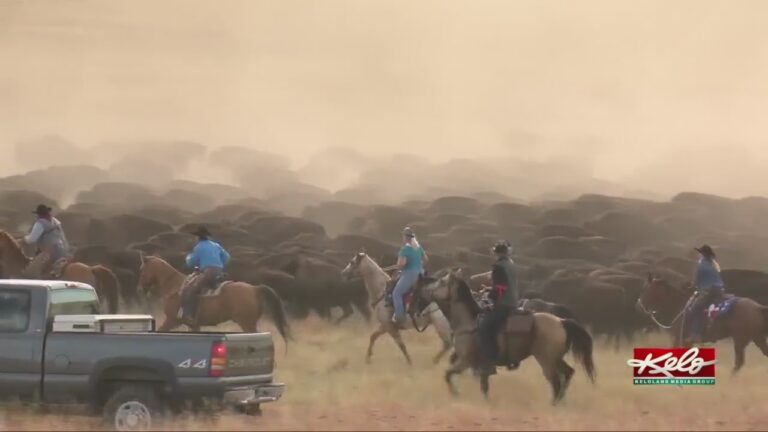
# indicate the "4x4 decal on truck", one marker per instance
pixel 202 364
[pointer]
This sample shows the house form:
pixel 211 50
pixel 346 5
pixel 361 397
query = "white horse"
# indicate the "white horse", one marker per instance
pixel 376 280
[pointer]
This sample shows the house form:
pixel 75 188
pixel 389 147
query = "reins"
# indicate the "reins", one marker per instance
pixel 652 314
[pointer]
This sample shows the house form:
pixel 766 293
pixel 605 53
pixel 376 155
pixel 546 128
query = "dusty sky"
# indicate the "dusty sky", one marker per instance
pixel 617 84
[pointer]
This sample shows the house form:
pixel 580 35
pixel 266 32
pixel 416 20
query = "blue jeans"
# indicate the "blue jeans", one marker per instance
pixel 407 279
pixel 697 318
pixel 190 296
pixel 489 331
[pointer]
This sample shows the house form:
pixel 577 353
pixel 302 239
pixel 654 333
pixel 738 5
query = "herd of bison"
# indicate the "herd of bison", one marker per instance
pixel 591 253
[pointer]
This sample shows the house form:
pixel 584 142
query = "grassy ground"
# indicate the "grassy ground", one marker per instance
pixel 329 386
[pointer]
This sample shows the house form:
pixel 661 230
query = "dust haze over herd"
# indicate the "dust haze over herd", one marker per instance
pixel 392 100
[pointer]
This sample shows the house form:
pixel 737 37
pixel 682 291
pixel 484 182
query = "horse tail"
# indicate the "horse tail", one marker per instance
pixel 579 342
pixel 108 284
pixel 764 310
pixel 277 311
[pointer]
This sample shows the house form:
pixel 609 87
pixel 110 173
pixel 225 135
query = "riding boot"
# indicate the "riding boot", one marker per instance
pixel 190 298
pixel 488 355
pixel 694 332
pixel 696 320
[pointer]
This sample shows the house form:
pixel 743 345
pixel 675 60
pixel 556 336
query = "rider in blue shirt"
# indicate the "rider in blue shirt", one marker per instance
pixel 209 258
pixel 410 260
pixel 709 285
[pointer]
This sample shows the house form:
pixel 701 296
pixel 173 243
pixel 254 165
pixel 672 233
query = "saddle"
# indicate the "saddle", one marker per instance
pixel 211 289
pixel 720 307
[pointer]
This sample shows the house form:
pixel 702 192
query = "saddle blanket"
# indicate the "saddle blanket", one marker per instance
pixel 717 310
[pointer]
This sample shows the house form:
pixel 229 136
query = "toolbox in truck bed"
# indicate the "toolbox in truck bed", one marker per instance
pixel 104 323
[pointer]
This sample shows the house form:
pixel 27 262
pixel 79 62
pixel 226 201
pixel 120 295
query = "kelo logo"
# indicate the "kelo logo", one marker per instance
pixel 675 366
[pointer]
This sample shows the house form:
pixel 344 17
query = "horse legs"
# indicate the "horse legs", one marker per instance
pixel 439 356
pixel 455 369
pixel 553 375
pixel 761 343
pixel 739 344
pixel 443 330
pixel 169 324
pixel 395 333
pixel 375 335
pixel 566 372
pixel 248 325
pixel 484 385
pixel 617 340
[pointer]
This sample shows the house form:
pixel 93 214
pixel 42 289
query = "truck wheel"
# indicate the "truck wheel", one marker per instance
pixel 134 408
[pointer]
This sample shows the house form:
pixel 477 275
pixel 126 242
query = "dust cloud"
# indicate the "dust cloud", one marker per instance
pixel 390 100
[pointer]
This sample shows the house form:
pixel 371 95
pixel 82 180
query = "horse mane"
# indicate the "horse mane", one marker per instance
pixel 465 296
pixel 13 247
pixel 376 265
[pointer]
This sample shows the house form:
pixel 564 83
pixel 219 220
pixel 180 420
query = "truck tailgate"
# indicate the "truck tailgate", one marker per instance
pixel 249 354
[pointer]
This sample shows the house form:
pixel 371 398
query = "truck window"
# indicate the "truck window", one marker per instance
pixel 14 311
pixel 73 301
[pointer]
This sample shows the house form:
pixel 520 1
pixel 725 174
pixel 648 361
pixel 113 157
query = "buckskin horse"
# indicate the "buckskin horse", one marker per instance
pixel 542 335
pixel 101 278
pixel 376 280
pixel 740 318
pixel 240 302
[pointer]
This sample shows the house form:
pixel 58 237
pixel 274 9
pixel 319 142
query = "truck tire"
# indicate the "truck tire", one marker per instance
pixel 134 407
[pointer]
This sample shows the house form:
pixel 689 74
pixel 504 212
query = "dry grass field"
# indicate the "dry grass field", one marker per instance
pixel 329 386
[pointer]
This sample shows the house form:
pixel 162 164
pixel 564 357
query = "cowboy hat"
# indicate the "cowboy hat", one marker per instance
pixel 705 250
pixel 42 209
pixel 202 232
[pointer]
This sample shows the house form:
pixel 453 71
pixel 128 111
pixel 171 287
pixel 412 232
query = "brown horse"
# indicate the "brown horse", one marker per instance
pixel 101 278
pixel 546 337
pixel 746 322
pixel 240 302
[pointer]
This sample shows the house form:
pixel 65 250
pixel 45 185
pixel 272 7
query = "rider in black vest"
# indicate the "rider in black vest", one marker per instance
pixel 504 296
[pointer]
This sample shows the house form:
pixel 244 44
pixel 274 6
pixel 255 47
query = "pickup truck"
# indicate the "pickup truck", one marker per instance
pixel 55 348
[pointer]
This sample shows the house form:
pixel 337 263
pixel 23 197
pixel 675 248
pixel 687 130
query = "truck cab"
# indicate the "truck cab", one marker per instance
pixel 56 348
pixel 27 311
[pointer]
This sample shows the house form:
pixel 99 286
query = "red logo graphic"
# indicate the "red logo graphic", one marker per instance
pixel 677 366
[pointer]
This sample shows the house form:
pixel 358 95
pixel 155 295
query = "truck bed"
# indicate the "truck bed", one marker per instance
pixel 75 364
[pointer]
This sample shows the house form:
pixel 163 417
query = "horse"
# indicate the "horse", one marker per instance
pixel 745 321
pixel 240 302
pixel 13 262
pixel 545 337
pixel 376 280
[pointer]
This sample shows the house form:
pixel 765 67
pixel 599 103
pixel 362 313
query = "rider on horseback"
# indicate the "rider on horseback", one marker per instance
pixel 209 258
pixel 410 261
pixel 504 295
pixel 48 236
pixel 709 285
